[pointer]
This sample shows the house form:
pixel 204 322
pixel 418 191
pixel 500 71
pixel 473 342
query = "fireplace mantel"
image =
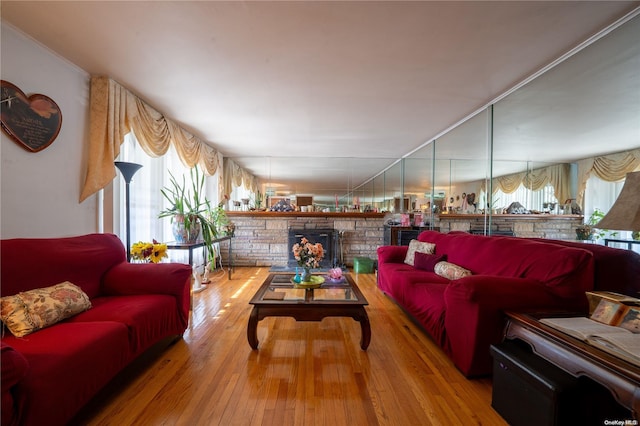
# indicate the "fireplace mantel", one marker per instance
pixel 261 214
pixel 261 238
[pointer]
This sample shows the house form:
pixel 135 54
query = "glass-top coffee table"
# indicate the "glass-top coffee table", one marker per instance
pixel 279 297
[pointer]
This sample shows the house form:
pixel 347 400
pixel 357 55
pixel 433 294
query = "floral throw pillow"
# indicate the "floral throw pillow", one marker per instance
pixel 418 246
pixel 32 310
pixel 451 271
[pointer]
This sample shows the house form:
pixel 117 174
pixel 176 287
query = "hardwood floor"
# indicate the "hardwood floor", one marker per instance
pixel 304 373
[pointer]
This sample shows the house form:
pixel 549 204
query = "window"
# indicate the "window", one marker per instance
pixel 146 200
pixel 601 195
pixel 531 200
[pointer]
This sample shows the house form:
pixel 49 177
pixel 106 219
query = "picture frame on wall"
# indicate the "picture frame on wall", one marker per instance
pixel 33 122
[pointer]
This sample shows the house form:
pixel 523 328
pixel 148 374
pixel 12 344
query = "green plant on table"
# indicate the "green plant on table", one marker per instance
pixel 190 206
pixel 589 230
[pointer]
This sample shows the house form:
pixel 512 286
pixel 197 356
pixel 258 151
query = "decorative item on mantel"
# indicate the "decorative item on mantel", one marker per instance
pixel 282 206
pixel 308 256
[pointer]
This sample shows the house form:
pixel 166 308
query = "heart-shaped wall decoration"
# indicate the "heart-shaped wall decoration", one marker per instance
pixel 33 122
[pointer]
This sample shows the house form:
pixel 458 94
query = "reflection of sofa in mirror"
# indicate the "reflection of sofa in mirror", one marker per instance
pixel 465 316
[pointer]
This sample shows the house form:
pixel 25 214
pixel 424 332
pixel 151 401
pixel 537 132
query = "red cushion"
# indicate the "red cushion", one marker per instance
pixel 427 262
pixel 148 318
pixel 68 364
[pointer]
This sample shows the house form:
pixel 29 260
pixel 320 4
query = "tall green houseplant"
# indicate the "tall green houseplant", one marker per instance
pixel 189 210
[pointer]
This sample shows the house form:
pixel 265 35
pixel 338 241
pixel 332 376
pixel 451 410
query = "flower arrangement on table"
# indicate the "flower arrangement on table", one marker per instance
pixel 308 256
pixel 149 252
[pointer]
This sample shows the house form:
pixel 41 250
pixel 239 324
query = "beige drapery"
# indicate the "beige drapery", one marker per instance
pixel 534 180
pixel 234 175
pixel 610 168
pixel 113 112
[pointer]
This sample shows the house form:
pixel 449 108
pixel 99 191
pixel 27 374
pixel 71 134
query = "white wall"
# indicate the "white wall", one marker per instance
pixel 39 192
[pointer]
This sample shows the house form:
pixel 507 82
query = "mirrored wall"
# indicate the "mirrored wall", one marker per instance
pixel 522 152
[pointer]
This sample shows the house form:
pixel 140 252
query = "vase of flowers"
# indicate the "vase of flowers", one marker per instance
pixel 149 252
pixel 308 256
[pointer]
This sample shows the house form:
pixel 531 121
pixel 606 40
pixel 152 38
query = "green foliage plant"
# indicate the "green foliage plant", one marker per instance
pixel 191 205
pixel 589 229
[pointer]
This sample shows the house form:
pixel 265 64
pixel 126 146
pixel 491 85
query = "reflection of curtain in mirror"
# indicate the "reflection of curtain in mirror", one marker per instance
pixel 535 180
pixel 235 176
pixel 610 168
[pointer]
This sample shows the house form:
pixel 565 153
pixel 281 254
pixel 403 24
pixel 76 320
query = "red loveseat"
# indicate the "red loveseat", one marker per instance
pixel 48 375
pixel 465 316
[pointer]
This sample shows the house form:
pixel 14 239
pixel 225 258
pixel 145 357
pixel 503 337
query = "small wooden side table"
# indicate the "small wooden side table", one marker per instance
pixel 578 358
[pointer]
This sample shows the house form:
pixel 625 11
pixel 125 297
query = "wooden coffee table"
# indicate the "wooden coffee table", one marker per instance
pixel 278 297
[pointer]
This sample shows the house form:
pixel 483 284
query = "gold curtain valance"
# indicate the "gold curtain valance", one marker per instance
pixel 534 180
pixel 234 175
pixel 610 168
pixel 113 112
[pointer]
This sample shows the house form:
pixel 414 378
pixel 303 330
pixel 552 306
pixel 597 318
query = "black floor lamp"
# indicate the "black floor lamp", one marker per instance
pixel 127 170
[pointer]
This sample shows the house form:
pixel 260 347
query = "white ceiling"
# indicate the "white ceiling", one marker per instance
pixel 320 96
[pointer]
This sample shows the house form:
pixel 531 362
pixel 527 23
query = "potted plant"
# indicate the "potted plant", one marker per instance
pixel 189 210
pixel 589 231
pixel 257 201
pixel 221 222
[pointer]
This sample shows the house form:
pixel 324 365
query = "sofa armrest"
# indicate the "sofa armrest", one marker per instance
pixel 173 279
pixel 146 278
pixel 392 254
pixel 13 368
pixel 474 314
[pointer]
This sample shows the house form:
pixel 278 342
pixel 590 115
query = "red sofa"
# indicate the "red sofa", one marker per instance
pixel 465 316
pixel 615 269
pixel 48 375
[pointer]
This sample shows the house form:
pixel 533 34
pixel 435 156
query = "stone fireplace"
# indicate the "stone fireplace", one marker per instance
pixel 327 237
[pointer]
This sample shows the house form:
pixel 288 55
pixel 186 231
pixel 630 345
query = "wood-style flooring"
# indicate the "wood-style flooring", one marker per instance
pixel 304 373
